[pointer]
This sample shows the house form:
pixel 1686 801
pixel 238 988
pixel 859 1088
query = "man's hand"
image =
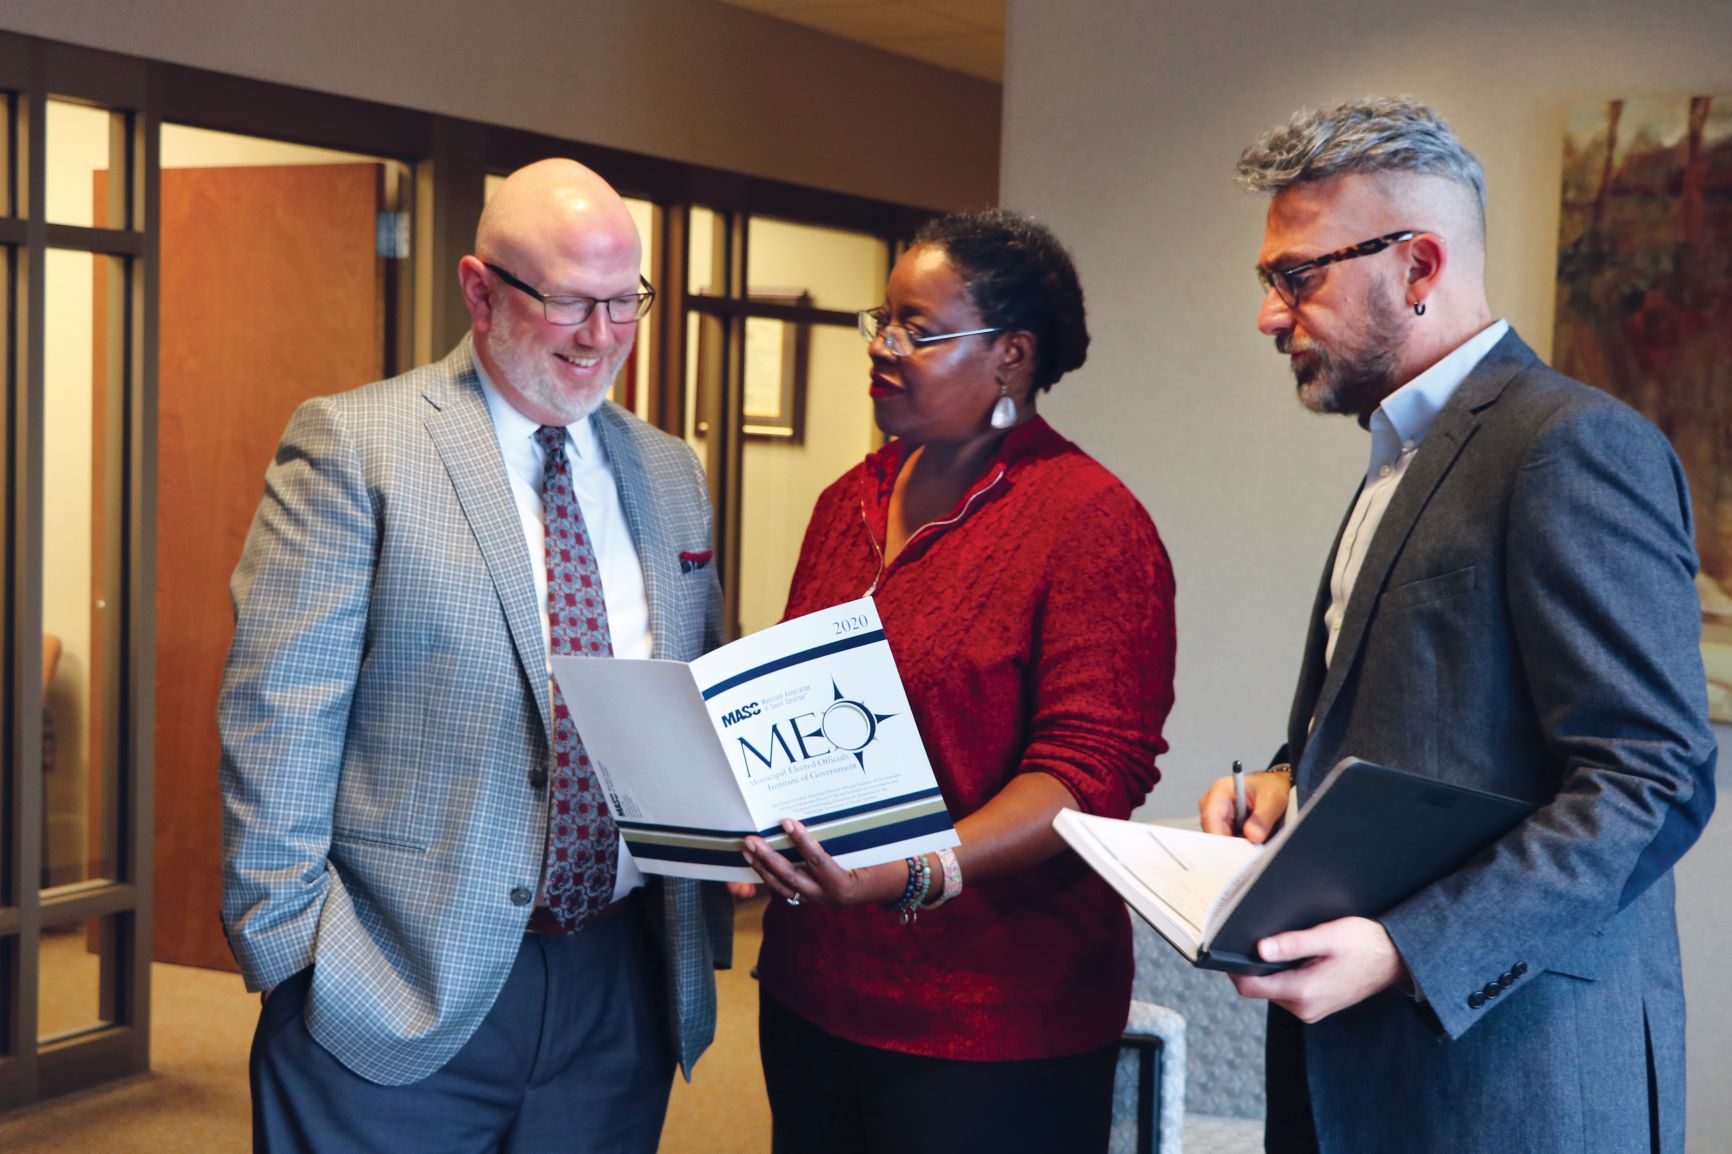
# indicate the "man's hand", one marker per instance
pixel 1265 803
pixel 1350 959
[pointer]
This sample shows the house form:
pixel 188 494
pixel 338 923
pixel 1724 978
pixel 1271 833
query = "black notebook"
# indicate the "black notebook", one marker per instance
pixel 1369 837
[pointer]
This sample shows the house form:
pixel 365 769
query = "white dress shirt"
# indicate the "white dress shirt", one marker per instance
pixel 1398 428
pixel 616 556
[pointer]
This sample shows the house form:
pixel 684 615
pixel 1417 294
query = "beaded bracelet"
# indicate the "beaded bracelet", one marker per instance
pixel 907 892
pixel 915 894
pixel 922 890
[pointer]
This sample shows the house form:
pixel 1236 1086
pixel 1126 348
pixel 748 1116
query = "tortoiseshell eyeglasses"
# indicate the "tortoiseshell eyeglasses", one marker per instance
pixel 1290 283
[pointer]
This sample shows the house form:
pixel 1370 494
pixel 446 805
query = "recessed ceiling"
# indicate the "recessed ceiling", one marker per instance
pixel 962 35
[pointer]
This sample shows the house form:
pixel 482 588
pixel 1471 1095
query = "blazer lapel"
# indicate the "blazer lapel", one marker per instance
pixel 1312 669
pixel 463 433
pixel 643 516
pixel 1449 435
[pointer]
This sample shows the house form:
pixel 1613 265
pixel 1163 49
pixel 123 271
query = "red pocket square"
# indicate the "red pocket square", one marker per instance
pixel 690 560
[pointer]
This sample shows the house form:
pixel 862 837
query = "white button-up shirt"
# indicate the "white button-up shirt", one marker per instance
pixel 1398 428
pixel 592 480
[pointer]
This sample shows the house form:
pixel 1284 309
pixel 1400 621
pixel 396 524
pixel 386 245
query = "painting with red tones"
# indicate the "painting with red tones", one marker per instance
pixel 1645 304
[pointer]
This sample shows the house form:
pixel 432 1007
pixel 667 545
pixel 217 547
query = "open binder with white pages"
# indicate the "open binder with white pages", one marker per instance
pixel 1369 837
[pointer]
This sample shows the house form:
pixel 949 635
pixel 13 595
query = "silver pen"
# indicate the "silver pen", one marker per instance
pixel 1238 796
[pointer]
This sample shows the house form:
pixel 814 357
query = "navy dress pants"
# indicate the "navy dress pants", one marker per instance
pixel 574 1056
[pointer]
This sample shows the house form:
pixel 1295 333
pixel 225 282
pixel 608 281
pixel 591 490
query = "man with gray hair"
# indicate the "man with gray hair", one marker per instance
pixel 1509 605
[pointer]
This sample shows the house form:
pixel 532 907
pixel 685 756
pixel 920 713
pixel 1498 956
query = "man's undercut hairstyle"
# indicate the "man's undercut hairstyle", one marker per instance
pixel 1370 135
pixel 1020 279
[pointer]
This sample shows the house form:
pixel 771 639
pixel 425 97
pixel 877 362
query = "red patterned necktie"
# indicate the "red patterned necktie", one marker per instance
pixel 582 839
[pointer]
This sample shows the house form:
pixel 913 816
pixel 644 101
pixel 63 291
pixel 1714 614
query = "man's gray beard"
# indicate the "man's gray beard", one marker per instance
pixel 1356 384
pixel 526 371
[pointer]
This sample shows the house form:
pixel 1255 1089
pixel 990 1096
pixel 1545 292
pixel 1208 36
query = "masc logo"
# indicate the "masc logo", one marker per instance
pixel 735 716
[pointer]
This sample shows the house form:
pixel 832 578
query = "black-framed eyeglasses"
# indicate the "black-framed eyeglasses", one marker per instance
pixel 1290 283
pixel 564 309
pixel 902 343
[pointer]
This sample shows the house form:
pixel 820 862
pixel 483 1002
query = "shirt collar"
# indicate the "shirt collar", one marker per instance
pixel 1032 438
pixel 1404 418
pixel 514 427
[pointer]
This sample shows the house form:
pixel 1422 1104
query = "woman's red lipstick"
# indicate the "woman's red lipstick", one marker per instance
pixel 880 387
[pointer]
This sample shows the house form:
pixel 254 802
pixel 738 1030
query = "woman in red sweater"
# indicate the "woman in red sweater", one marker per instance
pixel 1029 603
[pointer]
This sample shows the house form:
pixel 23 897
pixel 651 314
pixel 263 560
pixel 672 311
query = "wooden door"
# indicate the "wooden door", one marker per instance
pixel 271 292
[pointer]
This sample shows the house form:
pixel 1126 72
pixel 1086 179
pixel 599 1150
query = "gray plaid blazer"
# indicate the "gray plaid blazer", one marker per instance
pixel 386 701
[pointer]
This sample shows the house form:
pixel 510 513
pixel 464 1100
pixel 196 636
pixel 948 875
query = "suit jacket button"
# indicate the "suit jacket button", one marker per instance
pixel 1475 1000
pixel 1492 989
pixel 538 778
pixel 1506 980
pixel 1519 969
pixel 522 895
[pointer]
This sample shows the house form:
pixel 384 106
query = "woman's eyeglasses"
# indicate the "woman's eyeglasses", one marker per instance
pixel 899 342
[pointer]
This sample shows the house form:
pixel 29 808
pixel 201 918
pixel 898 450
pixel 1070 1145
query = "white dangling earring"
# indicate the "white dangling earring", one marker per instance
pixel 1004 409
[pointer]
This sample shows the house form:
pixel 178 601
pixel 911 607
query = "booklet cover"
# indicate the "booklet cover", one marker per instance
pixel 1369 837
pixel 806 719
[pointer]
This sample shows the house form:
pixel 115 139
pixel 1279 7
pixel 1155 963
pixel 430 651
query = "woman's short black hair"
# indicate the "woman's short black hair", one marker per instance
pixel 1020 278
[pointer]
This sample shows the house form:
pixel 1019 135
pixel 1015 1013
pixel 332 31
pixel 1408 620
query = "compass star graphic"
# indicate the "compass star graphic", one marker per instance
pixel 850 725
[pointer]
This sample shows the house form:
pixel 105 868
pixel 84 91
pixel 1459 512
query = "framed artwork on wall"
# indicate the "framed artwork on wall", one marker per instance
pixel 1644 293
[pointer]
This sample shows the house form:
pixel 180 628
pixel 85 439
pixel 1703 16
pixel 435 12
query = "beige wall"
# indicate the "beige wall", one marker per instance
pixel 691 80
pixel 1122 122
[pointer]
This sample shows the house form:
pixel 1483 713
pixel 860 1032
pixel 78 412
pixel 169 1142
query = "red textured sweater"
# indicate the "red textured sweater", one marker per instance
pixel 1033 628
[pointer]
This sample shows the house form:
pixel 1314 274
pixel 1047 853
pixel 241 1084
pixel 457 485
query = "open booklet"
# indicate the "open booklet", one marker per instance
pixel 1368 837
pixel 806 719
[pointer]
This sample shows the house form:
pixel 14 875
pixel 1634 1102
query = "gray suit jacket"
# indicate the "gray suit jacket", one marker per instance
pixel 1525 622
pixel 386 702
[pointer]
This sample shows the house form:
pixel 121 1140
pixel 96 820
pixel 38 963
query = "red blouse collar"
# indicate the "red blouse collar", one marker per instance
pixel 1030 441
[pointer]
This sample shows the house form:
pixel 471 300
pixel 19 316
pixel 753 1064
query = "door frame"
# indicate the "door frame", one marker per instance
pixel 30 73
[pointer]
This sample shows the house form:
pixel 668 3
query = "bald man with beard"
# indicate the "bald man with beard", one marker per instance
pixel 421 875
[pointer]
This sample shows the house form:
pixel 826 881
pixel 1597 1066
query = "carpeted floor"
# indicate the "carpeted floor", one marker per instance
pixel 194 1100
